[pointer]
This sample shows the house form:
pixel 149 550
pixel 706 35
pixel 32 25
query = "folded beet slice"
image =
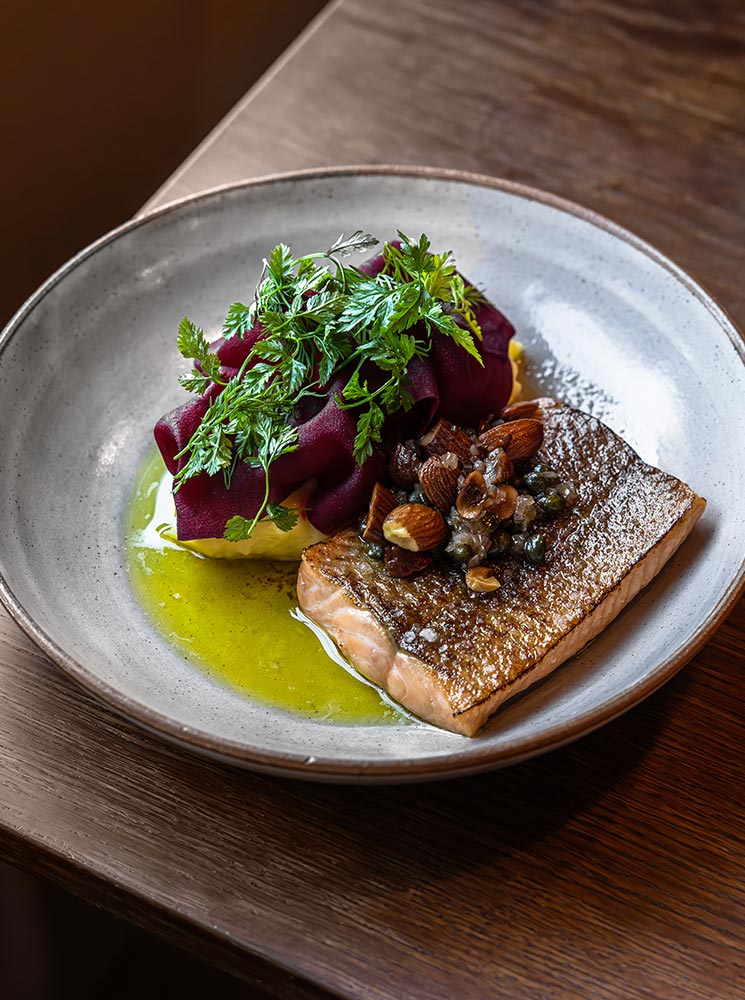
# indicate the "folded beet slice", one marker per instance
pixel 449 383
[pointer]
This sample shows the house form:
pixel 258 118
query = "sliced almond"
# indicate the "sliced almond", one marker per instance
pixel 382 503
pixel 473 497
pixel 481 580
pixel 519 438
pixel 415 526
pixel 445 436
pixel 439 483
pixel 404 466
pixel 401 563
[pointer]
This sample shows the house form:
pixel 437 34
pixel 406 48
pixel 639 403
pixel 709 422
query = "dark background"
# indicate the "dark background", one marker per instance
pixel 98 106
pixel 99 103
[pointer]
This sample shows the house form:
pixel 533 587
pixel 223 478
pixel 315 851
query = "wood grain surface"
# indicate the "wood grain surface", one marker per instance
pixel 610 869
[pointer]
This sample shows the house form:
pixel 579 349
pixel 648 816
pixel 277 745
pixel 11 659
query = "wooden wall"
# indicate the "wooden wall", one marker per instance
pixel 99 102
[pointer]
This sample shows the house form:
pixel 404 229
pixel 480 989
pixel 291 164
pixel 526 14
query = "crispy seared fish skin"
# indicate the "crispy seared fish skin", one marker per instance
pixel 452 658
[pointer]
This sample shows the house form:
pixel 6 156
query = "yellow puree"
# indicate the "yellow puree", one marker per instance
pixel 234 618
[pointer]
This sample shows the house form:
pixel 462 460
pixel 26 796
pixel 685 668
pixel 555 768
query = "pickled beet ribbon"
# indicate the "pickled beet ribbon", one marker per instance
pixel 449 383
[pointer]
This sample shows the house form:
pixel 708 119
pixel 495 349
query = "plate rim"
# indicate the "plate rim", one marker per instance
pixel 397 769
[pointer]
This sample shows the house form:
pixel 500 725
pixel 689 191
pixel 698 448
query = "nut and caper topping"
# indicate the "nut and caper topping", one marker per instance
pixel 382 503
pixel 403 465
pixel 415 527
pixel 474 498
pixel 481 580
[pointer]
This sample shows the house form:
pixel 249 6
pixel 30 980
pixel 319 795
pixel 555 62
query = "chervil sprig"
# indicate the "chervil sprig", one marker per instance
pixel 285 518
pixel 193 344
pixel 320 318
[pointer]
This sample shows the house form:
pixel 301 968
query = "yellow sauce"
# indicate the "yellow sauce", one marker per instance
pixel 238 620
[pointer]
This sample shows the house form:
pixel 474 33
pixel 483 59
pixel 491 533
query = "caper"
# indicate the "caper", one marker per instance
pixel 517 543
pixel 374 551
pixel 534 548
pixel 462 553
pixel 540 478
pixel 362 526
pixel 534 481
pixel 500 543
pixel 551 502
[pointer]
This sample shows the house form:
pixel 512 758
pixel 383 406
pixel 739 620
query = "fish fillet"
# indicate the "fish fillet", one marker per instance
pixel 451 657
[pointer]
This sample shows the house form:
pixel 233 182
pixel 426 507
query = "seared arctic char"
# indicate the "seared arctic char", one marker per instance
pixel 451 657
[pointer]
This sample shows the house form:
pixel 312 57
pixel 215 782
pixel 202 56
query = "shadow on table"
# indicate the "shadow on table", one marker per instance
pixel 465 820
pixel 532 834
pixel 55 947
pixel 602 829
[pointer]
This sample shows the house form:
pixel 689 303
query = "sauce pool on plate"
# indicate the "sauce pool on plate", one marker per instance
pixel 238 619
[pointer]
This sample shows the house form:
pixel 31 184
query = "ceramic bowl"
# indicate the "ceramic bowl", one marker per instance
pixel 90 362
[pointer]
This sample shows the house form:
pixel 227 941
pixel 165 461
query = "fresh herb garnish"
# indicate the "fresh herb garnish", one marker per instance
pixel 285 518
pixel 193 344
pixel 320 317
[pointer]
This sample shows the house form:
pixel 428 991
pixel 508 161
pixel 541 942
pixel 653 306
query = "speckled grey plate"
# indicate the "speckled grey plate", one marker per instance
pixel 90 362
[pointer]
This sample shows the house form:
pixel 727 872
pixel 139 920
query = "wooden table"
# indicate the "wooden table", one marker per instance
pixel 613 868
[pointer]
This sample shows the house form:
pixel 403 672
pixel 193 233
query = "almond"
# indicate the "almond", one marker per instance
pixel 404 466
pixel 496 437
pixel 445 436
pixel 525 408
pixel 519 438
pixel 529 408
pixel 481 580
pixel 415 526
pixel 439 483
pixel 401 563
pixel 382 503
pixel 473 497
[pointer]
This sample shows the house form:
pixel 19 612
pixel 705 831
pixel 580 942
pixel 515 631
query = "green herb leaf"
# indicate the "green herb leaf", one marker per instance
pixel 369 425
pixel 211 367
pixel 191 340
pixel 358 242
pixel 284 518
pixel 195 382
pixel 322 320
pixel 238 321
pixel 447 325
pixel 238 529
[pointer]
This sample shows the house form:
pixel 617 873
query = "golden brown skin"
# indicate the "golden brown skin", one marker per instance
pixel 627 521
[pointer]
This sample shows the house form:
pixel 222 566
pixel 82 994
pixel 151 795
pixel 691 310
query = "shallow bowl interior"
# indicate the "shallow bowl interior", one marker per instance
pixel 90 363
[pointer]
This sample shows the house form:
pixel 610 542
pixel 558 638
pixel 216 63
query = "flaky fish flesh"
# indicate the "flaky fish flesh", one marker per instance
pixel 453 658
